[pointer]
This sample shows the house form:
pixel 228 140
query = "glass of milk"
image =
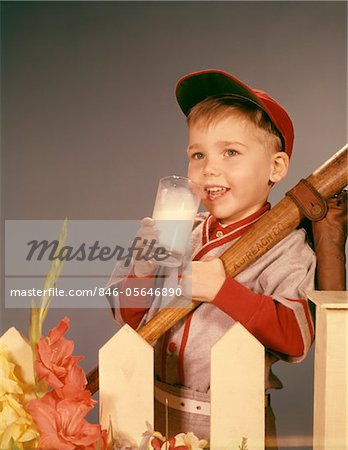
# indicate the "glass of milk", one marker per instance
pixel 176 206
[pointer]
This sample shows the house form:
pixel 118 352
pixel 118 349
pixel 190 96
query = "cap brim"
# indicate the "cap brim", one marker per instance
pixel 198 86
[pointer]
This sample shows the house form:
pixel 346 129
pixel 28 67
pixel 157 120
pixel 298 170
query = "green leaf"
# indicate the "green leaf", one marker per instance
pixel 53 274
pixel 38 314
pixel 33 327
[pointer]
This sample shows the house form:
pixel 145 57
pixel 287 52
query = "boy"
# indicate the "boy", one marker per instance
pixel 240 142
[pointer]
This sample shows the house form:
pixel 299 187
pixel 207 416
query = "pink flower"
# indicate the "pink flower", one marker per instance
pixel 172 445
pixel 160 443
pixel 181 441
pixel 54 361
pixel 61 422
pixel 156 443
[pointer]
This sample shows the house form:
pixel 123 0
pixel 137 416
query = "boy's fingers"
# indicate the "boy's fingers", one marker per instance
pixel 147 226
pixel 147 221
pixel 146 239
pixel 145 233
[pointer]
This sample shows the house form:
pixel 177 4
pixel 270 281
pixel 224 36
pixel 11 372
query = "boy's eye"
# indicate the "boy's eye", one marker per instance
pixel 231 153
pixel 197 155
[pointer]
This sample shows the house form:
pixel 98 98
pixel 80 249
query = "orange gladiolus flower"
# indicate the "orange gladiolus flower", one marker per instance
pixel 60 414
pixel 61 422
pixel 54 361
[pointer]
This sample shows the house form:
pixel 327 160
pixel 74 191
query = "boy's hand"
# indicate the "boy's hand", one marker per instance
pixel 147 231
pixel 207 278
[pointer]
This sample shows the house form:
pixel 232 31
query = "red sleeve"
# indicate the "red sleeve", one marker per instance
pixel 133 308
pixel 272 323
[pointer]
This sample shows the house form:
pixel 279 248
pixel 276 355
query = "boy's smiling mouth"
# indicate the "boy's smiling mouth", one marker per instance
pixel 214 192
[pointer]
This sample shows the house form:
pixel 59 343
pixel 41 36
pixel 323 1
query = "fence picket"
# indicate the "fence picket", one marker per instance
pixel 330 370
pixel 237 391
pixel 126 383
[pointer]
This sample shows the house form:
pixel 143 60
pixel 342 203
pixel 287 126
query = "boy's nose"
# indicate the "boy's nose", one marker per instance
pixel 211 169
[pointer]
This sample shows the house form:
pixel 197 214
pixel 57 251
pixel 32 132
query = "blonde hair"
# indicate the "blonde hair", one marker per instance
pixel 214 109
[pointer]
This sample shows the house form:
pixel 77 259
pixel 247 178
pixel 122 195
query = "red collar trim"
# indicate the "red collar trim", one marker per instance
pixel 211 226
pixel 215 225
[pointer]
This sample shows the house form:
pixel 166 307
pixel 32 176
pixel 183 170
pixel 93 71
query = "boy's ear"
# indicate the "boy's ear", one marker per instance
pixel 280 166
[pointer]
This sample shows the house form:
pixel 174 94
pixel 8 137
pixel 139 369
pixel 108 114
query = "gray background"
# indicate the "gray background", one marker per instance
pixel 90 123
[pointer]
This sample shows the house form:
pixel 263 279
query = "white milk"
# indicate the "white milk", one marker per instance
pixel 175 228
pixel 176 210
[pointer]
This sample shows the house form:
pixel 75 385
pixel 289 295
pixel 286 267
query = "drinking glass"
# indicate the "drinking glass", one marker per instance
pixel 176 206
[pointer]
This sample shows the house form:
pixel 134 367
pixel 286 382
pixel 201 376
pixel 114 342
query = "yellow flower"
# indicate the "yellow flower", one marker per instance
pixel 9 381
pixel 190 440
pixel 16 425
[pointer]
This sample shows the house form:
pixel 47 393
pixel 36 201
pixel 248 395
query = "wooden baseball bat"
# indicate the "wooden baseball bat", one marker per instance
pixel 274 226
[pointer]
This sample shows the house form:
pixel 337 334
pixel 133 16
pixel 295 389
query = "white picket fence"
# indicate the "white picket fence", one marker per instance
pixel 126 383
pixel 126 387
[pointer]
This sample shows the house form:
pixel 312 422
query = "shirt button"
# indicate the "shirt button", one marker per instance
pixel 219 234
pixel 172 347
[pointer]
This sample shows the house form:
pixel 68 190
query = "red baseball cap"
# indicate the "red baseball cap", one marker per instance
pixel 197 86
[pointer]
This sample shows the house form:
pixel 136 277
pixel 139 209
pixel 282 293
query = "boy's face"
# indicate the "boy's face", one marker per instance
pixel 230 161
